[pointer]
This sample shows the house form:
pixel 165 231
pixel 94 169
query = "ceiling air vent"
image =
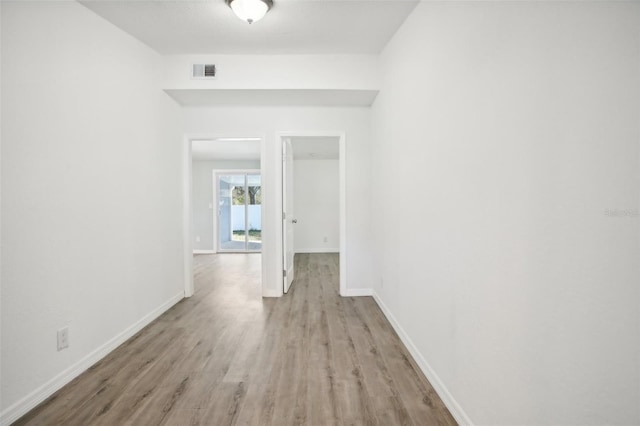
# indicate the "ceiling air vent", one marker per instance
pixel 204 71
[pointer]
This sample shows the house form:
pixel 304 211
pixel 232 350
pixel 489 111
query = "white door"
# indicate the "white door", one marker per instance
pixel 288 220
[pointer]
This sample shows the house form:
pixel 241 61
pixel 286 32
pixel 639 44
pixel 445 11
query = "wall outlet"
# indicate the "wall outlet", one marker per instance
pixel 63 338
pixel 197 239
pixel 325 239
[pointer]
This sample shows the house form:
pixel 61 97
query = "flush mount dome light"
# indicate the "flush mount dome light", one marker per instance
pixel 250 10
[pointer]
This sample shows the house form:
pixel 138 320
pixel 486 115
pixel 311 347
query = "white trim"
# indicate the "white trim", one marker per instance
pixel 343 200
pixel 265 258
pixel 216 210
pixel 454 407
pixel 196 251
pixel 187 196
pixel 187 215
pixel 319 250
pixel 272 293
pixel 288 214
pixel 23 406
pixel 358 292
pixel 343 212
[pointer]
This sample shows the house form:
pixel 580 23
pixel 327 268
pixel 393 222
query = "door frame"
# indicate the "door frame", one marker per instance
pixel 187 201
pixel 216 202
pixel 288 269
pixel 342 164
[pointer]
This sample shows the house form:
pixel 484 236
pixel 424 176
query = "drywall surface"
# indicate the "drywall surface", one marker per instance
pixel 266 122
pixel 91 192
pixel 1 375
pixel 348 72
pixel 513 130
pixel 316 205
pixel 203 193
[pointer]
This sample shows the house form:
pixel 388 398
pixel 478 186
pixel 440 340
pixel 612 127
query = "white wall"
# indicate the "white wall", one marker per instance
pixel 316 198
pixel 202 187
pixel 266 122
pixel 91 194
pixel 348 72
pixel 1 231
pixel 514 127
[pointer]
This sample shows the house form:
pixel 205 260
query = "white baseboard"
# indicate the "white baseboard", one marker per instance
pixel 204 251
pixel 456 410
pixel 271 293
pixel 23 406
pixel 318 250
pixel 357 292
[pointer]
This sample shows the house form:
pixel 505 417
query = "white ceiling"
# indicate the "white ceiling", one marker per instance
pixel 291 27
pixel 226 149
pixel 315 148
pixel 273 97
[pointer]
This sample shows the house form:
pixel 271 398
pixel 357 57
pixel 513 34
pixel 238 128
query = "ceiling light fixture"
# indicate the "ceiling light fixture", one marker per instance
pixel 250 10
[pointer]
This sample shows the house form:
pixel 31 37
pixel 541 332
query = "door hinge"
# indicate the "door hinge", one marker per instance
pixel 284 272
pixel 284 215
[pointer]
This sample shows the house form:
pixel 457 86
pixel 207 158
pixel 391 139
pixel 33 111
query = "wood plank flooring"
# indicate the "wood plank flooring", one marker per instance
pixel 228 357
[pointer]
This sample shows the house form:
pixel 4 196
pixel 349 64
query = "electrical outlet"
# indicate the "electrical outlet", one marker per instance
pixel 197 239
pixel 63 338
pixel 326 239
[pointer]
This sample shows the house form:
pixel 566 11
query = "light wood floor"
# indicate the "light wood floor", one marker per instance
pixel 226 356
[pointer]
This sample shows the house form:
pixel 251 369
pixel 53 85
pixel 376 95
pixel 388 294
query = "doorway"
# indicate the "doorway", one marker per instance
pixel 313 199
pixel 239 211
pixel 203 155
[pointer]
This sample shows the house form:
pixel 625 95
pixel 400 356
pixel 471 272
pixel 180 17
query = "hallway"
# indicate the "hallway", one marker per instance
pixel 227 356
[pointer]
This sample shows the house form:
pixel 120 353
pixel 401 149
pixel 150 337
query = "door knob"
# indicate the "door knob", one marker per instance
pixel 294 220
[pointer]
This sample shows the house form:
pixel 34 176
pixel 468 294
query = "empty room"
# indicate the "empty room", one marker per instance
pixel 317 212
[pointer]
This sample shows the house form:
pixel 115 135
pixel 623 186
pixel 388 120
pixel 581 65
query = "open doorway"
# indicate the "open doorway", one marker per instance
pixel 233 164
pixel 313 200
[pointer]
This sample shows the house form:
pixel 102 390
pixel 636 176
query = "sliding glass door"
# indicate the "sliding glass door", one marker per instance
pixel 239 212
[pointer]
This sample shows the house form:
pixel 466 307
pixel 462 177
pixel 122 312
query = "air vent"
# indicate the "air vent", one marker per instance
pixel 204 71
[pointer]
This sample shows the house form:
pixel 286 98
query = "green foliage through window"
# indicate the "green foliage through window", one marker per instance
pixel 255 195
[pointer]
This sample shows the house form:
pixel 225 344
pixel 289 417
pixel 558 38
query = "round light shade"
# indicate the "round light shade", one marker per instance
pixel 250 10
